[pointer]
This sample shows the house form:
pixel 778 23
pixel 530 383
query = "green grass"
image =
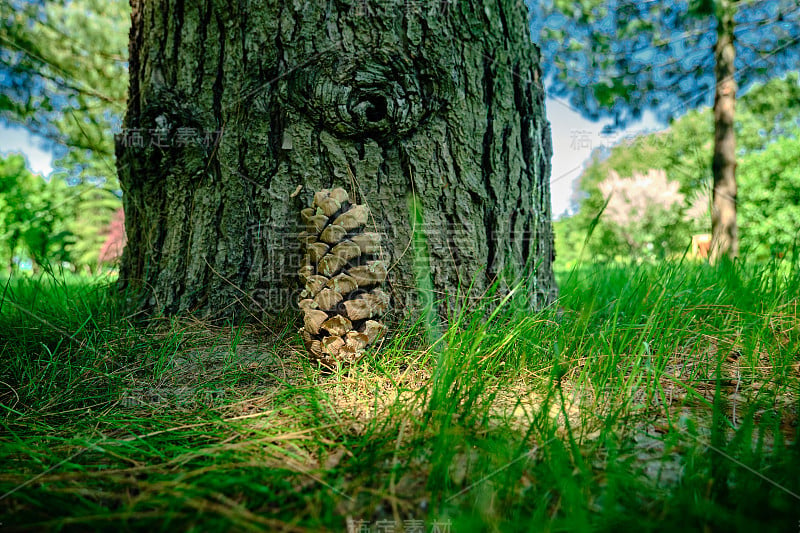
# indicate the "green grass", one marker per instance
pixel 652 397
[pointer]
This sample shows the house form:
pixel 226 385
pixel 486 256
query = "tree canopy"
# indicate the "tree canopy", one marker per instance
pixel 617 58
pixel 63 76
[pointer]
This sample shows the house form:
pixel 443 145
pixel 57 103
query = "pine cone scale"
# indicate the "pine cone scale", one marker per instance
pixel 341 300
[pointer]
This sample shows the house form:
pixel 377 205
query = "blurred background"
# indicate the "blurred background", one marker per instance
pixel 630 85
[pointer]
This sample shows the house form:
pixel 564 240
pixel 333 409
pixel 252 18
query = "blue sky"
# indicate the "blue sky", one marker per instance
pixel 574 138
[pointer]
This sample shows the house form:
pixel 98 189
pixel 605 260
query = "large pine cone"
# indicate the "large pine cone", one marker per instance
pixel 342 271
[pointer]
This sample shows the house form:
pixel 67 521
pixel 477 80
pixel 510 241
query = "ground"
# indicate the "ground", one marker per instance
pixel 659 397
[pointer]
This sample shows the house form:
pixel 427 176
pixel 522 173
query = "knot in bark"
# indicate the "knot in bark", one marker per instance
pixel 355 95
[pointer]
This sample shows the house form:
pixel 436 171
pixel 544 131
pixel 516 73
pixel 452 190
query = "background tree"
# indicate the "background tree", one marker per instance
pixel 620 57
pixel 238 113
pixel 63 76
pixel 768 118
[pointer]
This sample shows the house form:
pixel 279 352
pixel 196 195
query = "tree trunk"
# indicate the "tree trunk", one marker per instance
pixel 724 232
pixel 239 111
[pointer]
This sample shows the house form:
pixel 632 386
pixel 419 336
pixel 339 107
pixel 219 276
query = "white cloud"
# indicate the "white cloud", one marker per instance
pixel 574 138
pixel 14 139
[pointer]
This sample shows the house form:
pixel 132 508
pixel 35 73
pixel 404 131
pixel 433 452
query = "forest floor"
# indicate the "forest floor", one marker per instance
pixel 653 397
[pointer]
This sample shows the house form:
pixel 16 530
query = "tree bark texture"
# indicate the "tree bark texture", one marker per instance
pixel 430 113
pixel 724 231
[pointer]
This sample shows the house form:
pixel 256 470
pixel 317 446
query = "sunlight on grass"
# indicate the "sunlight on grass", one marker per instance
pixel 654 397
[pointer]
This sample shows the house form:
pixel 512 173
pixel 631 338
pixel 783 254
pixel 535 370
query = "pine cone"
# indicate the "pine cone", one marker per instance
pixel 342 272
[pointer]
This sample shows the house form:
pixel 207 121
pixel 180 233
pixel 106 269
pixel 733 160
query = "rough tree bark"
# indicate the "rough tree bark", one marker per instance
pixel 239 111
pixel 724 231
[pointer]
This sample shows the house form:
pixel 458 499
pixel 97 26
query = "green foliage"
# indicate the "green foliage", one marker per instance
pixel 570 240
pixel 68 64
pixel 769 213
pixel 643 211
pixel 768 117
pixel 767 112
pixel 32 215
pixel 65 79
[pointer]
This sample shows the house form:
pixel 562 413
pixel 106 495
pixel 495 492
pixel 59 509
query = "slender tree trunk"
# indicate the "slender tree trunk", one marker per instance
pixel 724 231
pixel 239 111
